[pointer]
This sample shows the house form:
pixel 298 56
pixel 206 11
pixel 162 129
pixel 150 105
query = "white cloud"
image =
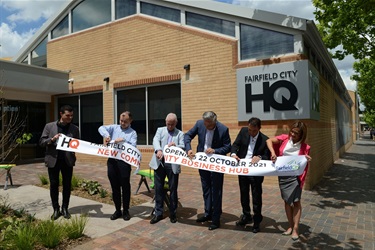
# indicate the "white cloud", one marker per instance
pixel 25 18
pixel 11 40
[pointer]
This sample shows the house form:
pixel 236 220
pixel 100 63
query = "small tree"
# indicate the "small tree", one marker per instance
pixel 12 127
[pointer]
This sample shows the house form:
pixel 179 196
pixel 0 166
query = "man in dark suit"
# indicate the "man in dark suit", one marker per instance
pixel 171 136
pixel 59 161
pixel 213 138
pixel 251 144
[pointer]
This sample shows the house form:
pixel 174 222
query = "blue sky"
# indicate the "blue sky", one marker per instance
pixel 20 19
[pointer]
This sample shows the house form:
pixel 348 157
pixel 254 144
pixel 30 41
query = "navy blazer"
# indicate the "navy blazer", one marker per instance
pixel 241 144
pixel 220 141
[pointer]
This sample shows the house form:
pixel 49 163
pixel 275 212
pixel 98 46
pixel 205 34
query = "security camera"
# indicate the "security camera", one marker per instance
pixel 71 80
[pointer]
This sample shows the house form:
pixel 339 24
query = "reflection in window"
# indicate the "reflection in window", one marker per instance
pixel 39 54
pixel 161 12
pixel 262 43
pixel 61 29
pixel 87 114
pixel 210 23
pixel 151 111
pixel 26 60
pixel 125 8
pixel 91 13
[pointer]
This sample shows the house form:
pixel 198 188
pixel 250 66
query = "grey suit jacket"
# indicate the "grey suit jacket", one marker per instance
pixel 160 140
pixel 49 131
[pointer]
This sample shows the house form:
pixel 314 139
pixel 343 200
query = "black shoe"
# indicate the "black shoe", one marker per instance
pixel 116 215
pixel 203 219
pixel 126 215
pixel 56 214
pixel 156 219
pixel 256 228
pixel 173 218
pixel 65 213
pixel 244 219
pixel 214 226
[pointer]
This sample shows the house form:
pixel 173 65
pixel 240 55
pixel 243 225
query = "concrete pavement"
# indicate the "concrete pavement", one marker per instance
pixel 339 213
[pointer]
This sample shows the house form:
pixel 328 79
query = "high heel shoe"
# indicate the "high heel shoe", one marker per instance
pixel 286 233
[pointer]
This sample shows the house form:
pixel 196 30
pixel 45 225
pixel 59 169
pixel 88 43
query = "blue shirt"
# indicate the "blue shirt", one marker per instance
pixel 115 131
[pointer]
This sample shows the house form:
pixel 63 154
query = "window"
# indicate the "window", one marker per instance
pixel 125 8
pixel 39 54
pixel 210 23
pixel 262 43
pixel 90 13
pixel 161 12
pixel 150 106
pixel 61 29
pixel 87 114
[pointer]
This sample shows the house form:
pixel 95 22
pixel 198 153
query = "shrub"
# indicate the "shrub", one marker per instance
pixel 93 187
pixel 43 179
pixel 24 237
pixel 103 193
pixel 75 182
pixel 50 233
pixel 75 227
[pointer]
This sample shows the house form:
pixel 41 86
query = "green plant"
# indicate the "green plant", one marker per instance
pixel 25 137
pixel 75 228
pixel 93 187
pixel 24 237
pixel 50 233
pixel 43 179
pixel 103 193
pixel 75 182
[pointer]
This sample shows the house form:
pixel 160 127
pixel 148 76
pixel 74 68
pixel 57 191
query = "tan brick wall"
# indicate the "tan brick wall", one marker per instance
pixel 140 50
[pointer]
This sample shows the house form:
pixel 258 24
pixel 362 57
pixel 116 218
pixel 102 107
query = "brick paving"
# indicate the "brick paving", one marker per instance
pixel 337 214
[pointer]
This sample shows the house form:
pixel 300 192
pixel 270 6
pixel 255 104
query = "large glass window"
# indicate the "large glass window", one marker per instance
pixel 262 43
pixel 61 29
pixel 91 13
pixel 88 114
pixel 125 8
pixel 210 23
pixel 23 117
pixel 161 12
pixel 150 106
pixel 39 54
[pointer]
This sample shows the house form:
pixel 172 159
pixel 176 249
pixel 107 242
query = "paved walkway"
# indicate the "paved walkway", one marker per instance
pixel 338 214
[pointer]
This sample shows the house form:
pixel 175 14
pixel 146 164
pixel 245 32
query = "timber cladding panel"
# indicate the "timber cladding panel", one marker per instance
pixel 138 48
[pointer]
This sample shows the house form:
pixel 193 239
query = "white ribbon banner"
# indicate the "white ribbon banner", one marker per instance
pixel 284 165
pixel 124 152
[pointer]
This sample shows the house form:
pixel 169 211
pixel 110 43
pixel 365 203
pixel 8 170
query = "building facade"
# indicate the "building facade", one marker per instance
pixel 154 57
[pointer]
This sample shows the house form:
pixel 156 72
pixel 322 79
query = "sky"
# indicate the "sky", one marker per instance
pixel 20 19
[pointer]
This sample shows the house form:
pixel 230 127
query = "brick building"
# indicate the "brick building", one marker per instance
pixel 153 57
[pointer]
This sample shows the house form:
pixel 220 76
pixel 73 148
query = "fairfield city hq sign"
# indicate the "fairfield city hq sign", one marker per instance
pixel 278 91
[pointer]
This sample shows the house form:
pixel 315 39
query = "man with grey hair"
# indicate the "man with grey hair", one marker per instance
pixel 213 138
pixel 169 136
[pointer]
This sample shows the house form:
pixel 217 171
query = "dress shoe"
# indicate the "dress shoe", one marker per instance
pixel 214 226
pixel 244 219
pixel 256 228
pixel 65 213
pixel 295 238
pixel 173 218
pixel 156 219
pixel 116 215
pixel 126 215
pixel 203 219
pixel 56 214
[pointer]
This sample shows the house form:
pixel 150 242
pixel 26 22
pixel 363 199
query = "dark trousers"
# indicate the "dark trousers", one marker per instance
pixel 255 183
pixel 119 177
pixel 67 173
pixel 159 180
pixel 212 187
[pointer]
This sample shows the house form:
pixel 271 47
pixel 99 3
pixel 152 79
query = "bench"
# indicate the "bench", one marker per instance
pixel 8 176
